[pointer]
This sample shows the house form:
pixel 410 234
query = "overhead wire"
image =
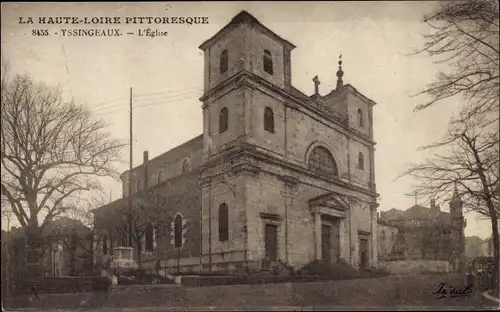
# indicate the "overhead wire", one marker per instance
pixel 149 102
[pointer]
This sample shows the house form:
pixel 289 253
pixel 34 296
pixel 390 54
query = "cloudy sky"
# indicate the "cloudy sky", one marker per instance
pixel 166 73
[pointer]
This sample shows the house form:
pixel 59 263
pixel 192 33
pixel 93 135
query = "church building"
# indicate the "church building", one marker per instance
pixel 276 175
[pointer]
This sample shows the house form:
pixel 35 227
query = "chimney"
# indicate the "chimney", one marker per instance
pixel 145 157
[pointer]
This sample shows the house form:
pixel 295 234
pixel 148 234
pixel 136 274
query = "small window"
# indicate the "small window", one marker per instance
pixel 223 120
pixel 160 176
pixel 223 223
pixel 268 62
pixel 224 59
pixel 178 231
pixel 361 161
pixel 360 118
pixel 268 120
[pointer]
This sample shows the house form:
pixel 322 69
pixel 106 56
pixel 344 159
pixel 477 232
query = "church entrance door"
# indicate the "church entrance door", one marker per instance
pixel 271 241
pixel 326 243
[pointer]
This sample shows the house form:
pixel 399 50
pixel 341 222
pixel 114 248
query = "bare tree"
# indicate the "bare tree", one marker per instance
pixel 465 36
pixel 50 150
pixel 84 211
pixel 467 158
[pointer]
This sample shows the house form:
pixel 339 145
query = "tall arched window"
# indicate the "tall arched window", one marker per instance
pixel 361 161
pixel 223 120
pixel 224 60
pixel 268 62
pixel 138 186
pixel 186 167
pixel 360 118
pixel 149 237
pixel 178 231
pixel 223 223
pixel 160 176
pixel 268 120
pixel 321 161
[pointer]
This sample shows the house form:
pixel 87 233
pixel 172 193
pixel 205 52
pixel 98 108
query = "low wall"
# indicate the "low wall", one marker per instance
pixel 415 266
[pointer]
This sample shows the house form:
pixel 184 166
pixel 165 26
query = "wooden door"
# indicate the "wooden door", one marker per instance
pixel 363 253
pixel 326 243
pixel 271 241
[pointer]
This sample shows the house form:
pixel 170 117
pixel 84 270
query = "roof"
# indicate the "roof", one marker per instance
pixel 387 223
pixel 196 140
pixel 421 212
pixel 241 18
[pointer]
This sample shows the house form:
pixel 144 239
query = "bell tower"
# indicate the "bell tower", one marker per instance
pixel 242 57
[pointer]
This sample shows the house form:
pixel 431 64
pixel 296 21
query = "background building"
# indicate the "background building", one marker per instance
pixel 426 233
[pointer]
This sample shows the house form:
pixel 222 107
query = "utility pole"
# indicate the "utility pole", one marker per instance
pixel 130 179
pixel 414 194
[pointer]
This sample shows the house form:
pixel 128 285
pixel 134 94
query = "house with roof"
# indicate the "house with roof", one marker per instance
pixel 425 233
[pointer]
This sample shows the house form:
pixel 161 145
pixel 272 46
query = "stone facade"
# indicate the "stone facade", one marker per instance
pixel 295 172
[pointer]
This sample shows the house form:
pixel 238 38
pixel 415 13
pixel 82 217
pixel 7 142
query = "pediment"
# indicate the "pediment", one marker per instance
pixel 331 200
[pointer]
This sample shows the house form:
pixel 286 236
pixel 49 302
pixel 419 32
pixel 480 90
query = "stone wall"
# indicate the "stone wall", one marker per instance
pixel 415 266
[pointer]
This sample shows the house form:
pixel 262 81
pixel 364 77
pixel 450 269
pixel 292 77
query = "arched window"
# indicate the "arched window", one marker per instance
pixel 360 118
pixel 361 161
pixel 178 231
pixel 160 176
pixel 223 120
pixel 224 60
pixel 186 166
pixel 138 186
pixel 148 237
pixel 268 62
pixel 105 245
pixel 223 223
pixel 321 161
pixel 268 120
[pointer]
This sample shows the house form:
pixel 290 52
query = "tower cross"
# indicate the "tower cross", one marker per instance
pixel 316 84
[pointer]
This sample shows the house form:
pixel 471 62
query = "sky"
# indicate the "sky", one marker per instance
pixel 166 73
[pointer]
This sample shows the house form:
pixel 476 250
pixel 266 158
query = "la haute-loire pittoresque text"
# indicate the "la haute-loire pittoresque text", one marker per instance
pixel 108 20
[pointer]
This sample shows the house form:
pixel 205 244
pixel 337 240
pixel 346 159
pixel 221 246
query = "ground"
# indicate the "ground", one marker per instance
pixel 401 292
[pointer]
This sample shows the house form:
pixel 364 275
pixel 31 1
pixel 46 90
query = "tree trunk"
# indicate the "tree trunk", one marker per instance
pixel 139 253
pixel 34 244
pixel 496 246
pixel 491 209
